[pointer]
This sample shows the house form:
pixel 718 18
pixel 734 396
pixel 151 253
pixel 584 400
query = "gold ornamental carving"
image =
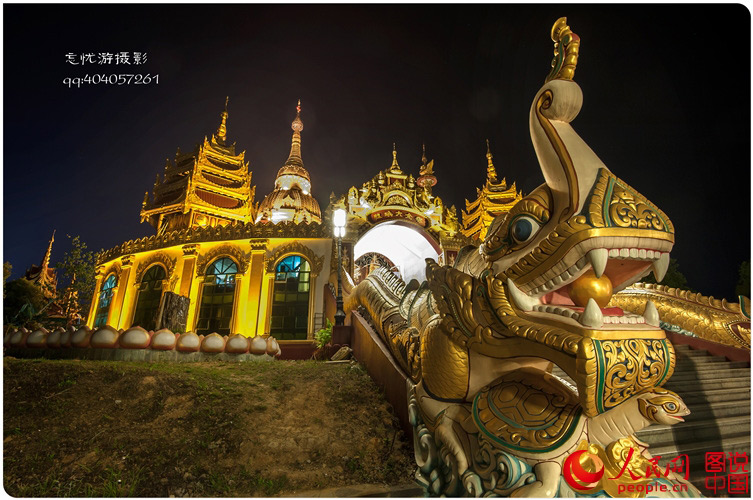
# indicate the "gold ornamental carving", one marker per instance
pixel 156 258
pixel 630 366
pixel 240 257
pixel 260 244
pixel 115 269
pixel 566 48
pixel 315 261
pixel 613 203
pixel 191 250
pixel 711 319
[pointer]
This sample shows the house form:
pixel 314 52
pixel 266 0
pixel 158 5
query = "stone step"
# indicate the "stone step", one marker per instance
pixel 720 409
pixel 691 353
pixel 695 449
pixel 715 395
pixel 700 430
pixel 690 367
pixel 700 360
pixel 708 383
pixel 711 374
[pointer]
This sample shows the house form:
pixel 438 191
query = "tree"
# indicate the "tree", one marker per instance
pixel 674 278
pixel 78 266
pixel 23 300
pixel 7 271
pixel 743 280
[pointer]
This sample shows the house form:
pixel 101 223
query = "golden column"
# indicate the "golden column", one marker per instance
pixel 190 252
pixel 99 274
pixel 255 281
pixel 116 316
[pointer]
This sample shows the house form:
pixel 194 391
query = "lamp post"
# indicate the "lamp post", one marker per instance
pixel 338 220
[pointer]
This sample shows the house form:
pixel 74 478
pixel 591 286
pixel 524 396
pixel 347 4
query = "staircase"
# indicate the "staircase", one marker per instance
pixel 717 392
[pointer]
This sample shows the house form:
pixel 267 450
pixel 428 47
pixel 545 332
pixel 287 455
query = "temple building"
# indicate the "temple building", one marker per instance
pixel 230 265
pixel 239 276
pixel 44 276
pixel 494 199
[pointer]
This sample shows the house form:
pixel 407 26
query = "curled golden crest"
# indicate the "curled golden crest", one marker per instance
pixel 566 47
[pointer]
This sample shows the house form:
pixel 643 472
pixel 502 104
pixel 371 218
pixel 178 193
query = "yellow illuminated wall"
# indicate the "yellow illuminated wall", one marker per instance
pixel 185 266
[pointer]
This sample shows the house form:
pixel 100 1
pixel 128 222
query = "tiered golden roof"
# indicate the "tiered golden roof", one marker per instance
pixel 394 195
pixel 291 199
pixel 210 186
pixel 494 199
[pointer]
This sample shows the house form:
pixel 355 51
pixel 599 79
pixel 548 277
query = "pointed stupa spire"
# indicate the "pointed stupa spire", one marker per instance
pixel 491 172
pixel 395 168
pixel 423 154
pixel 222 129
pixel 46 258
pixel 295 147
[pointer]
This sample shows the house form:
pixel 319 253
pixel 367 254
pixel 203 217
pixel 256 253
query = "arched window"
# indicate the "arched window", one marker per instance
pixel 290 301
pixel 150 294
pixel 105 297
pixel 217 297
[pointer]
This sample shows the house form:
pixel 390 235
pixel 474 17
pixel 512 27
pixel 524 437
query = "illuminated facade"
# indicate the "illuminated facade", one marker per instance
pixel 256 269
pixel 494 199
pixel 240 276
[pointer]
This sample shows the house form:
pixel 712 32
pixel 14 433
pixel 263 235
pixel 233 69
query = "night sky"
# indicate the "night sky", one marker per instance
pixel 666 107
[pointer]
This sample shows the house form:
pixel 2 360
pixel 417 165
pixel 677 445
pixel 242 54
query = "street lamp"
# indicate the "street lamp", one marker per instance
pixel 338 220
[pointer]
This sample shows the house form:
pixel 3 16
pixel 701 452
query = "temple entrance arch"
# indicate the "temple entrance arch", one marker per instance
pixel 404 245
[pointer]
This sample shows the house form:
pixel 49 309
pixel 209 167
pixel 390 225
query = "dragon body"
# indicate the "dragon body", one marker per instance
pixel 478 340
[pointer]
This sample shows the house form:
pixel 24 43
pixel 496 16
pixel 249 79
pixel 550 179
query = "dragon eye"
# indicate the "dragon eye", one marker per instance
pixel 523 229
pixel 671 406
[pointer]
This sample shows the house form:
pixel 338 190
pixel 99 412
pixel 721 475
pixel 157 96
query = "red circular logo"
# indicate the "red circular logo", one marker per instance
pixel 579 478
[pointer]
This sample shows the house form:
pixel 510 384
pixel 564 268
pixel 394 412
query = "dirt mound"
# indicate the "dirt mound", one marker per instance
pixel 94 428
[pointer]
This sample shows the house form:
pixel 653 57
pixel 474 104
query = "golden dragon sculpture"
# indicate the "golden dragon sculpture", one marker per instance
pixel 478 340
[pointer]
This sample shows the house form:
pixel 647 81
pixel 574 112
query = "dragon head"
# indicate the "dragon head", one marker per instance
pixel 541 282
pixel 564 249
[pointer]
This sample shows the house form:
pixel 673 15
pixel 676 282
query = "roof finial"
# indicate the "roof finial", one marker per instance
pixel 297 125
pixel 394 167
pixel 46 258
pixel 295 147
pixel 222 130
pixel 423 154
pixel 491 172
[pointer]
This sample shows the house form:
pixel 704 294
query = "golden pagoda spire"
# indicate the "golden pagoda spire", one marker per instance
pixel 491 172
pixel 46 258
pixel 395 168
pixel 222 130
pixel 423 154
pixel 295 147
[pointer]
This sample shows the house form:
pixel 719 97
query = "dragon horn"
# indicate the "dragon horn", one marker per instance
pixel 568 164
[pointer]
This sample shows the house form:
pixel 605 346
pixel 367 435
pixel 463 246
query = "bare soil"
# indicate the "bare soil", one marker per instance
pixel 95 428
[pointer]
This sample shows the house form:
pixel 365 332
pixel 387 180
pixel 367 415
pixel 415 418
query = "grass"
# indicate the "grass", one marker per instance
pixel 100 429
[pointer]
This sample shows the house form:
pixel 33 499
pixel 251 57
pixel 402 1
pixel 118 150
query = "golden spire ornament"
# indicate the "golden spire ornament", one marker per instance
pixel 491 172
pixel 222 130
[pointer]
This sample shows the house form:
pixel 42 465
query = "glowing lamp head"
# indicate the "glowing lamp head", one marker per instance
pixel 338 220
